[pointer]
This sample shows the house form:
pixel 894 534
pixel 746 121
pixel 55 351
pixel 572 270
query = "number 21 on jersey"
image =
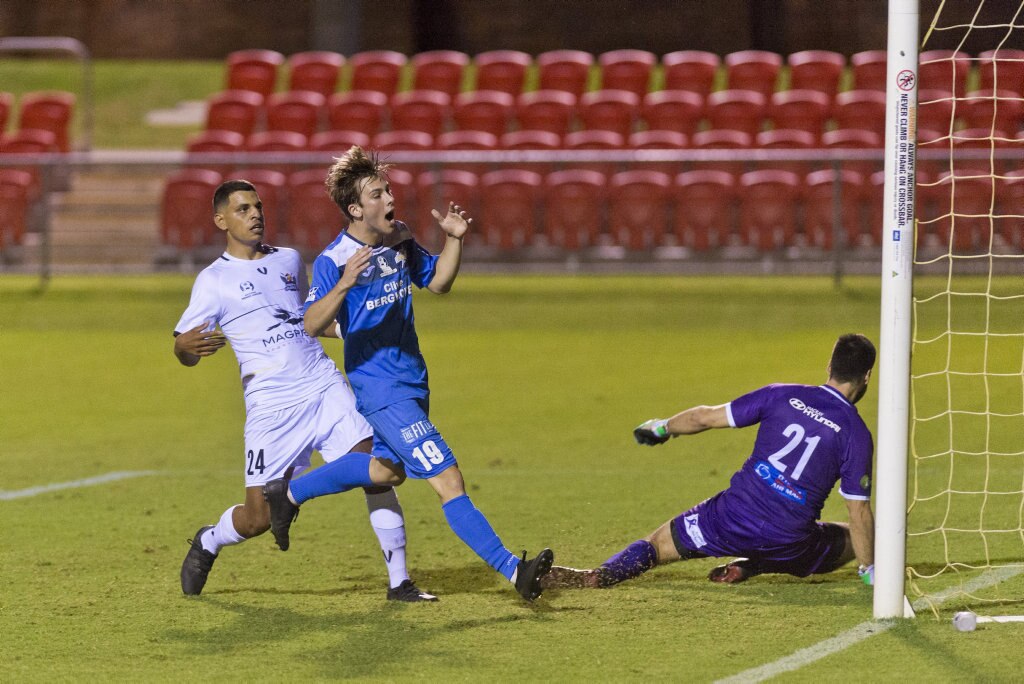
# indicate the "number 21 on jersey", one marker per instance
pixel 796 433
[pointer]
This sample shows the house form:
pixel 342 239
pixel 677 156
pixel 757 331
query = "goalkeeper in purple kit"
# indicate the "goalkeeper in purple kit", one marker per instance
pixel 809 437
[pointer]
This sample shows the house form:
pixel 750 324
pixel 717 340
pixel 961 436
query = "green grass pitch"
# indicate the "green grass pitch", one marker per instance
pixel 537 383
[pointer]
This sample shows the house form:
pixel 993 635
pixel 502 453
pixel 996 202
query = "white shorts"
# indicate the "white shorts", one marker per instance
pixel 278 440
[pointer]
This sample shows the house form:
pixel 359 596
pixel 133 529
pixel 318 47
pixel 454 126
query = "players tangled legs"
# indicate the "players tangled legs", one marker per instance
pixel 377 433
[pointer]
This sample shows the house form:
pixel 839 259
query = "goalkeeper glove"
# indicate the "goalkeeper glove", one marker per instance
pixel 652 432
pixel 867 574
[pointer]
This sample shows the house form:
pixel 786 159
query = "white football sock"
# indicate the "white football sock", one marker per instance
pixel 223 533
pixel 389 526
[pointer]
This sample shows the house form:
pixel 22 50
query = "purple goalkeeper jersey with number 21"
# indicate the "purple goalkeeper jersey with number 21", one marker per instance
pixel 809 437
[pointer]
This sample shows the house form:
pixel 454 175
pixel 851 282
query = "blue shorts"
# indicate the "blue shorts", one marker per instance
pixel 704 531
pixel 402 433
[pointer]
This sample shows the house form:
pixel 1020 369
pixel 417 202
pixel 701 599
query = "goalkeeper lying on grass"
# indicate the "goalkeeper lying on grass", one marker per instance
pixel 808 438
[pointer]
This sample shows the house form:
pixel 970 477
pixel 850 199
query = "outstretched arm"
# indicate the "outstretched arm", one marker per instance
pixel 454 224
pixel 688 422
pixel 192 345
pixel 321 314
pixel 862 531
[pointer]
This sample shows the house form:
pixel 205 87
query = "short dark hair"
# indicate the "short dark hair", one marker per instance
pixel 852 357
pixel 343 177
pixel 224 190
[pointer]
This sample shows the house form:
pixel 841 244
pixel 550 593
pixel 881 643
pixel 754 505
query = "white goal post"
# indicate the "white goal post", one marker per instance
pixel 896 310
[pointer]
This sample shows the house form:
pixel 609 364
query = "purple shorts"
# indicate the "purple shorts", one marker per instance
pixel 704 531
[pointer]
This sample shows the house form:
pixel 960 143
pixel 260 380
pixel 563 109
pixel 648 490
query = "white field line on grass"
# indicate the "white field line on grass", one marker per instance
pixel 822 649
pixel 87 482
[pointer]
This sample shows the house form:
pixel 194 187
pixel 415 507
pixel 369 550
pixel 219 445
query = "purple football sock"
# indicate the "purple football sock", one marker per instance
pixel 632 561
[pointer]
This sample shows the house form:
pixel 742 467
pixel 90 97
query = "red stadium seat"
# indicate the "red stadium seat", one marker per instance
pixel 546 110
pixel 502 70
pixel 722 140
pixel 692 70
pixel 574 208
pixel 440 70
pixel 672 110
pixel 29 141
pixel 820 189
pixel 935 110
pixel 638 208
pixel 254 70
pixel 277 142
pixel 943 70
pixel 15 200
pixel 862 110
pixel 803 110
pixel 420 110
pixel 980 142
pixel 564 70
pixel 403 141
pixel 234 110
pixel 357 110
pixel 435 190
pixel 1001 110
pixel 6 105
pixel 483 110
pixel 467 140
pixel 658 140
pixel 627 70
pixel 768 208
pixel 530 140
pixel 755 70
pixel 377 70
pixel 965 226
pixel 737 110
pixel 338 142
pixel 855 139
pixel 271 186
pixel 316 71
pixel 595 140
pixel 609 110
pixel 703 205
pixel 185 220
pixel 786 139
pixel 818 70
pixel 313 217
pixel 869 69
pixel 220 142
pixel 50 111
pixel 1001 69
pixel 508 208
pixel 299 111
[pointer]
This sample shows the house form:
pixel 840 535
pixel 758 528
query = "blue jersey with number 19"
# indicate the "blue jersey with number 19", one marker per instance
pixel 808 439
pixel 382 352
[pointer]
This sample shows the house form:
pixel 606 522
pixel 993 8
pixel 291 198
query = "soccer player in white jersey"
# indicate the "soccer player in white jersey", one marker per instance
pixel 296 399
pixel 362 285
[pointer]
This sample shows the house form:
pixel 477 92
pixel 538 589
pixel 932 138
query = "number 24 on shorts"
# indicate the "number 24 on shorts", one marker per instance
pixel 429 455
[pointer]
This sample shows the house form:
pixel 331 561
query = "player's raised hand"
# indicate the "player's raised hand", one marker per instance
pixel 199 341
pixel 454 223
pixel 355 265
pixel 652 432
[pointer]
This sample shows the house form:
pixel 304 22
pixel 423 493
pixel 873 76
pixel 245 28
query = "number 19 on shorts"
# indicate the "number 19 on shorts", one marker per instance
pixel 429 455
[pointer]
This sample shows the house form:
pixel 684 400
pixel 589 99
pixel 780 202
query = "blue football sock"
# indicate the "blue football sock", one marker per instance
pixel 473 529
pixel 630 562
pixel 349 471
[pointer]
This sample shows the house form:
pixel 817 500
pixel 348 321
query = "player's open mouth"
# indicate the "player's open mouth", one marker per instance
pixel 390 216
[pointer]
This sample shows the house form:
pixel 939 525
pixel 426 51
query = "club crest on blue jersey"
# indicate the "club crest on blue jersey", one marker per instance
pixel 290 284
pixel 384 267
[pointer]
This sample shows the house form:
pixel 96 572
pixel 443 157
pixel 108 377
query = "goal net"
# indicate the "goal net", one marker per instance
pixel 965 522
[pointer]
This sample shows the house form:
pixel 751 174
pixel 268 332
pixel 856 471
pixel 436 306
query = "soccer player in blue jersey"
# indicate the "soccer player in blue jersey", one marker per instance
pixel 296 400
pixel 809 437
pixel 362 285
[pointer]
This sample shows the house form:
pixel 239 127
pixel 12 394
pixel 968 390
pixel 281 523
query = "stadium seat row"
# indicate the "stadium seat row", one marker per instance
pixel 39 111
pixel 637 210
pixel 618 111
pixel 575 71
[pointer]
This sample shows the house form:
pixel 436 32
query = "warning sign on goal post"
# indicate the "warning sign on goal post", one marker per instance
pixel 904 152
